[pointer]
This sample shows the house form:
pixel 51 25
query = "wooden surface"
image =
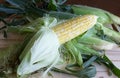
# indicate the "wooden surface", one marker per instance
pixel 102 71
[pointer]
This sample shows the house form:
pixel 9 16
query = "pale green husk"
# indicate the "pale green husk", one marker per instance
pixel 97 43
pixel 41 51
pixel 105 17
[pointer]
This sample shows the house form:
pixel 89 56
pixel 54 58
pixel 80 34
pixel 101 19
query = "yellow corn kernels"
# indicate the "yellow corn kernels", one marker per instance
pixel 74 27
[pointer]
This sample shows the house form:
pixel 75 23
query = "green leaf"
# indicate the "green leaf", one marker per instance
pixel 28 7
pixel 2 75
pixel 89 61
pixel 34 12
pixel 52 5
pixel 87 72
pixel 62 15
pixel 10 10
pixel 60 2
pixel 105 60
pixel 20 3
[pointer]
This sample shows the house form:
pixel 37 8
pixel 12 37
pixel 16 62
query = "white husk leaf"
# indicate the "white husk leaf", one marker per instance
pixel 44 51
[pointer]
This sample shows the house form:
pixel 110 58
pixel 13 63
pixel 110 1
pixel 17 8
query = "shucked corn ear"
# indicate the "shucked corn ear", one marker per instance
pixel 42 50
pixel 74 27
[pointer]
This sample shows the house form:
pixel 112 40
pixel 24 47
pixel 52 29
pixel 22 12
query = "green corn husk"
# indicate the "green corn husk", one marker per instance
pixel 76 54
pixel 105 17
pixel 113 35
pixel 97 43
pixel 75 50
pixel 82 10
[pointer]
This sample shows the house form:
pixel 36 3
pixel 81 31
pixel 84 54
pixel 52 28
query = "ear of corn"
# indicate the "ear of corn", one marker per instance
pixel 74 27
pixel 42 50
pixel 83 10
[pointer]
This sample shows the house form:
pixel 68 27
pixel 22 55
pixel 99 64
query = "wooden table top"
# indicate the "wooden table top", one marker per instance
pixel 102 71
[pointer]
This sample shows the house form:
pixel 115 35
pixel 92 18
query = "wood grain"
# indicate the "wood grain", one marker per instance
pixel 102 71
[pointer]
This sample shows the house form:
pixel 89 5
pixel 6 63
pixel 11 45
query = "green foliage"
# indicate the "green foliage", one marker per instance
pixel 87 72
pixel 105 60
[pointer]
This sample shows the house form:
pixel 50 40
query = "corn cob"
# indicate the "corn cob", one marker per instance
pixel 74 27
pixel 50 38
